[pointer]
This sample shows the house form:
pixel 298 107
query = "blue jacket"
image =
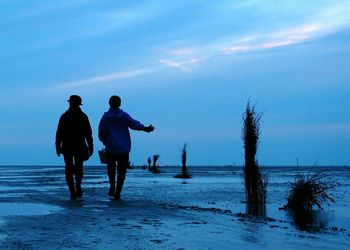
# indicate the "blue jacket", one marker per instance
pixel 113 131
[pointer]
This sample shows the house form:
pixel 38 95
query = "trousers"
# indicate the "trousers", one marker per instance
pixel 74 168
pixel 122 160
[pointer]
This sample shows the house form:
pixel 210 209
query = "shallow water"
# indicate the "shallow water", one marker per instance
pixel 157 210
pixel 218 187
pixel 26 209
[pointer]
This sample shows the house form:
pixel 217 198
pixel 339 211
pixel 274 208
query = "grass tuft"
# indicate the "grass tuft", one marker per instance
pixel 309 190
pixel 155 169
pixel 255 182
pixel 184 173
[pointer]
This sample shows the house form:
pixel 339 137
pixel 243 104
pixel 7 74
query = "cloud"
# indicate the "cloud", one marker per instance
pixel 185 65
pixel 279 38
pixel 188 57
pixel 328 20
pixel 102 78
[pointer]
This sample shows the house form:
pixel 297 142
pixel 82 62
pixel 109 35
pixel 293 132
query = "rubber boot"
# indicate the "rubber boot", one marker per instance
pixel 119 186
pixel 111 177
pixel 79 191
pixel 73 195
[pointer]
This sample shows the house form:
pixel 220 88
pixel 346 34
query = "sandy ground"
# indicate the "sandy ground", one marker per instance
pixel 156 212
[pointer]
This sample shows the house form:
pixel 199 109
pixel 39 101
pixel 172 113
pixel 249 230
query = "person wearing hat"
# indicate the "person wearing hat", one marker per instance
pixel 113 131
pixel 73 133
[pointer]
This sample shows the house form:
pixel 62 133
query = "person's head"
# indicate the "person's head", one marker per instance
pixel 75 101
pixel 115 101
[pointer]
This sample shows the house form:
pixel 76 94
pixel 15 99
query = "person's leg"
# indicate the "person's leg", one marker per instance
pixel 69 169
pixel 79 174
pixel 123 162
pixel 111 168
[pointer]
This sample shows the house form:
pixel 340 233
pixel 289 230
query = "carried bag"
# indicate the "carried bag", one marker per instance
pixel 103 156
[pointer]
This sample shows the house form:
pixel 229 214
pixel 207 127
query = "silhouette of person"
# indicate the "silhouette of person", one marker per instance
pixel 113 131
pixel 73 132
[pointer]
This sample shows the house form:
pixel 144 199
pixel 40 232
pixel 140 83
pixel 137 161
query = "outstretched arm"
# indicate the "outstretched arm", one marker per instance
pixel 136 125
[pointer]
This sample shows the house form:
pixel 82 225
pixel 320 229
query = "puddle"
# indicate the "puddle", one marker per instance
pixel 3 236
pixel 26 209
pixel 96 206
pixel 11 195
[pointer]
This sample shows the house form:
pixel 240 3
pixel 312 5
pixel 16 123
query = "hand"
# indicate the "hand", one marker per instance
pixel 58 151
pixel 148 129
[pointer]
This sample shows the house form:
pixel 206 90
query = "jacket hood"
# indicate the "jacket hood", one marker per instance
pixel 114 113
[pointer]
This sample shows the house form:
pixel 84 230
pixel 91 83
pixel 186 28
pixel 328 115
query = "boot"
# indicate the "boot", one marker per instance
pixel 78 180
pixel 73 195
pixel 79 190
pixel 111 177
pixel 119 187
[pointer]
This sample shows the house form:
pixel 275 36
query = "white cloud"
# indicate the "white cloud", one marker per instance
pixel 185 65
pixel 188 56
pixel 103 78
pixel 329 20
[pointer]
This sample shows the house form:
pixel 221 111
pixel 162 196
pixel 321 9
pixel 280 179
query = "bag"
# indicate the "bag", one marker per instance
pixel 103 156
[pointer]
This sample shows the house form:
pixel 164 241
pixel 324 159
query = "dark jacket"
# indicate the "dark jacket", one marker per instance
pixel 73 132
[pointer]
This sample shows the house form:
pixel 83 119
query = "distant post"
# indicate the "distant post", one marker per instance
pixel 183 159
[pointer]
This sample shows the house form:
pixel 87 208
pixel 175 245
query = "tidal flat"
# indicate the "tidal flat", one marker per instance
pixel 158 211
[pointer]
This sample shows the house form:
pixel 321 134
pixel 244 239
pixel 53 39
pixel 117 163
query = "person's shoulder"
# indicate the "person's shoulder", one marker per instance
pixel 84 115
pixel 106 113
pixel 64 114
pixel 122 112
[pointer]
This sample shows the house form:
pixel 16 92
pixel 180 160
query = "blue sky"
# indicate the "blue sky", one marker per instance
pixel 187 67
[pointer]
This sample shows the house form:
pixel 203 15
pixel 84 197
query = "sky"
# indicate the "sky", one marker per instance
pixel 187 67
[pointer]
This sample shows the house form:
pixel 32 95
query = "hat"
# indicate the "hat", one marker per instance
pixel 75 100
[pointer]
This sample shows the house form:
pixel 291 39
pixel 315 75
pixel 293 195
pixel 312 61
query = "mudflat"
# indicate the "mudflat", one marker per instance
pixel 158 211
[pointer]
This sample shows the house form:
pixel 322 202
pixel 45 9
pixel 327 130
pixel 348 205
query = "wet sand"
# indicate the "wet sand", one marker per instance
pixel 156 212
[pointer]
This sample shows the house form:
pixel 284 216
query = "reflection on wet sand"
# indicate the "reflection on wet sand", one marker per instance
pixel 308 220
pixel 256 210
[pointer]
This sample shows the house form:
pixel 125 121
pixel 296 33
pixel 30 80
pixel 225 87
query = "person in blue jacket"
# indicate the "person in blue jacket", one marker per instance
pixel 113 132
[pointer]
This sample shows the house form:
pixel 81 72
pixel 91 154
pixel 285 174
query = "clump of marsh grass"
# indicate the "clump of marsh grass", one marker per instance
pixel 184 173
pixel 155 169
pixel 255 182
pixel 309 190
